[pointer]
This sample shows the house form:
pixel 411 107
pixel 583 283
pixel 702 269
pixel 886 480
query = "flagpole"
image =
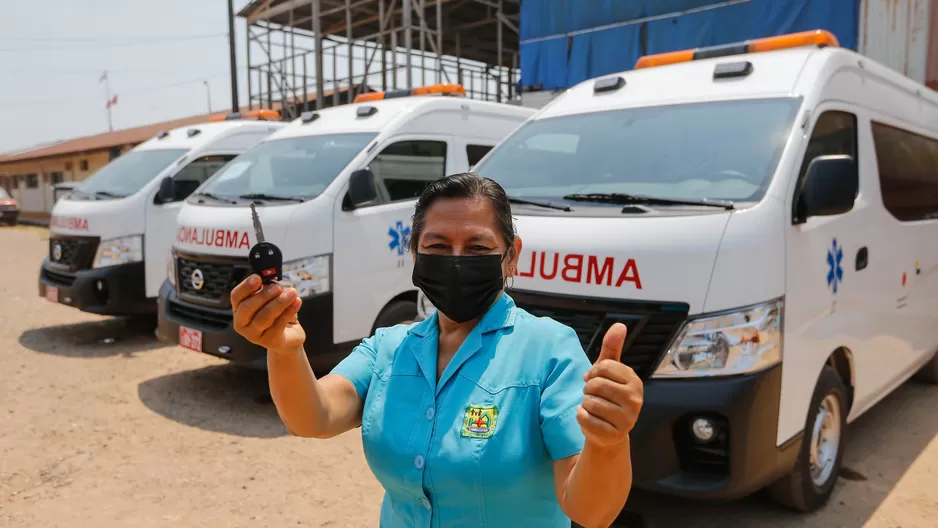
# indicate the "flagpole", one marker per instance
pixel 107 89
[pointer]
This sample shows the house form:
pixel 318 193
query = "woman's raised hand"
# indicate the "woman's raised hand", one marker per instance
pixel 267 316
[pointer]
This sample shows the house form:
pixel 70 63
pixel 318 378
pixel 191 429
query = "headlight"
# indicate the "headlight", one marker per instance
pixel 425 308
pixel 171 268
pixel 308 276
pixel 746 340
pixel 122 250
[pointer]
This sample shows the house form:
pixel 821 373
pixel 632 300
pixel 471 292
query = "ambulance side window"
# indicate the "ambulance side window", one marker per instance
pixel 403 169
pixel 908 172
pixel 475 153
pixel 186 181
pixel 835 133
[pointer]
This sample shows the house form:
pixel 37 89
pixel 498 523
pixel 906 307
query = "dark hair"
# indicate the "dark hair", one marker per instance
pixel 465 185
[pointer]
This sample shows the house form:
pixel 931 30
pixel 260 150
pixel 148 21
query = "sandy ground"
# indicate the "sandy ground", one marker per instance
pixel 138 433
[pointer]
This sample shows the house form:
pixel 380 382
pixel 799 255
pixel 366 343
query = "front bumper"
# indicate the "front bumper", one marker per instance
pixel 9 215
pixel 114 290
pixel 742 459
pixel 220 339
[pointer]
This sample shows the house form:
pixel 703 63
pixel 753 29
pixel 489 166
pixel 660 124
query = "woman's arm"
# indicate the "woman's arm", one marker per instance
pixel 309 407
pixel 266 316
pixel 592 487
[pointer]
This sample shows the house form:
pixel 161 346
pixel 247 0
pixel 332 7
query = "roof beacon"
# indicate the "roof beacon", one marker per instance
pixel 434 89
pixel 819 38
pixel 260 115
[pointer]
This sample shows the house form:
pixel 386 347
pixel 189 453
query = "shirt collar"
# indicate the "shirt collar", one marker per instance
pixel 500 315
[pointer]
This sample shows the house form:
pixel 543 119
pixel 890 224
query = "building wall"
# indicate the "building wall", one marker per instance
pixel 38 201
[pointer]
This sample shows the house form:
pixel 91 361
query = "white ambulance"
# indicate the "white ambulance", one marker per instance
pixel 764 219
pixel 335 192
pixel 109 237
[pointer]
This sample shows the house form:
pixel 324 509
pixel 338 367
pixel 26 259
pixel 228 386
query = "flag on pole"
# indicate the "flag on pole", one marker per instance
pixel 111 102
pixel 103 76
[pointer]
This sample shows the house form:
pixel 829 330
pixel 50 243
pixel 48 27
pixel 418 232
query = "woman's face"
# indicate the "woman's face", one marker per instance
pixel 466 227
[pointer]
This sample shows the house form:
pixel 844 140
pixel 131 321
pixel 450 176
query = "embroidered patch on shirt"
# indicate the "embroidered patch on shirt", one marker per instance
pixel 479 421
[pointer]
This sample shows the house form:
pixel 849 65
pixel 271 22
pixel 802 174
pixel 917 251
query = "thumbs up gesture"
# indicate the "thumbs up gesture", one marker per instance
pixel 612 397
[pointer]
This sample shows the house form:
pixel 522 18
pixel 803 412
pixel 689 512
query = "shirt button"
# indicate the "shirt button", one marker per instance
pixel 418 462
pixel 425 502
pixel 430 413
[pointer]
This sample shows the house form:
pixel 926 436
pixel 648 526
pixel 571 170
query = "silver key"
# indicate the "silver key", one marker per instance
pixel 258 230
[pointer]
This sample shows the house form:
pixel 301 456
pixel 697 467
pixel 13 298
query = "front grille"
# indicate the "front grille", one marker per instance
pixel 72 253
pixel 59 279
pixel 218 277
pixel 200 317
pixel 652 325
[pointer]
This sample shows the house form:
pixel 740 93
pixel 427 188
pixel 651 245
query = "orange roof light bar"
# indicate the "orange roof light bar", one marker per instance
pixel 253 114
pixel 434 89
pixel 820 38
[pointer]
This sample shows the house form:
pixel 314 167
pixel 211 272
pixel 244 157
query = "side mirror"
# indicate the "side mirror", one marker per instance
pixel 167 192
pixel 830 187
pixel 361 188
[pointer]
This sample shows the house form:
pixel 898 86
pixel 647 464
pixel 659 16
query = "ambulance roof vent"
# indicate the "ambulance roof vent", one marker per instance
pixel 162 134
pixel 192 132
pixel 366 111
pixel 608 84
pixel 727 70
pixel 309 117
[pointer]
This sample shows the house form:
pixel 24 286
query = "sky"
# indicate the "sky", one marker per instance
pixel 158 53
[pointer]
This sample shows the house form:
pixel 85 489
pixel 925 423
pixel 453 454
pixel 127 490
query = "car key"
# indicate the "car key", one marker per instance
pixel 266 259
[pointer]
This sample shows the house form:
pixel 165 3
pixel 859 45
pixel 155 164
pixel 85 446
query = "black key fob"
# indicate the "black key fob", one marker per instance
pixel 267 261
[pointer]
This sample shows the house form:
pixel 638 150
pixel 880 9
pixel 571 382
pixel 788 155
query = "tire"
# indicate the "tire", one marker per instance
pixel 397 312
pixel 801 490
pixel 929 372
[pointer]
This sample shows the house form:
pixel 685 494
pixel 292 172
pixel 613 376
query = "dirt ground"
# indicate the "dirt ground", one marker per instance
pixel 138 433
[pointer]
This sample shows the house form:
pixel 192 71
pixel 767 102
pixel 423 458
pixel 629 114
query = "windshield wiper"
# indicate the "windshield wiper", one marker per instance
pixel 546 205
pixel 211 196
pixel 631 199
pixel 273 197
pixel 107 194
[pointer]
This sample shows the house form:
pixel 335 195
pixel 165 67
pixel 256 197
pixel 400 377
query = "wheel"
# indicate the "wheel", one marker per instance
pixel 397 312
pixel 811 482
pixel 929 371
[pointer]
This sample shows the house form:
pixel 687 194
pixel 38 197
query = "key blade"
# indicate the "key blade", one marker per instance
pixel 258 230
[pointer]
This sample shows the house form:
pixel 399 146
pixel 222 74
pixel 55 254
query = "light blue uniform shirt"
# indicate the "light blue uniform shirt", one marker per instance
pixel 474 449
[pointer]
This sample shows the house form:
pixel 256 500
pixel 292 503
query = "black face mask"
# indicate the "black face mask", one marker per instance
pixel 460 287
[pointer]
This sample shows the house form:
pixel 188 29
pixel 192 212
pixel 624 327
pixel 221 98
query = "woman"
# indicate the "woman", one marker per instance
pixel 482 415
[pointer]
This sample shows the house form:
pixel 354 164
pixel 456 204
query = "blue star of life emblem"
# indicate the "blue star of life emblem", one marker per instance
pixel 400 238
pixel 835 273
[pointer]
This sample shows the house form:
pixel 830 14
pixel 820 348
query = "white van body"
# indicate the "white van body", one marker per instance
pixel 110 237
pixel 355 262
pixel 854 292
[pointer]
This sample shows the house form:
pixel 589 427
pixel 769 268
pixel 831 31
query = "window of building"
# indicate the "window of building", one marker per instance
pixel 404 169
pixel 69 166
pixel 475 153
pixel 835 133
pixel 57 177
pixel 32 181
pixel 83 165
pixel 113 152
pixel 908 172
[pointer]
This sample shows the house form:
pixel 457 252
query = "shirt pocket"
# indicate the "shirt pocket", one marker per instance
pixel 394 402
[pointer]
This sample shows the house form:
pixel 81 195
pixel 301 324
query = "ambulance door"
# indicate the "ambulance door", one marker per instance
pixel 161 215
pixel 372 263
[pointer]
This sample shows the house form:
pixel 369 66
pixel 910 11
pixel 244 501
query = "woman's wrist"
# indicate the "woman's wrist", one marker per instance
pixel 285 352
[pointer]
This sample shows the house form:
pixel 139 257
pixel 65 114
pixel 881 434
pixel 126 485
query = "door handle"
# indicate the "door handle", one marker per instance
pixel 863 258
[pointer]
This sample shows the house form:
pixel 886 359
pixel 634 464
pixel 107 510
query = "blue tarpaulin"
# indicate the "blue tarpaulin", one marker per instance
pixel 553 59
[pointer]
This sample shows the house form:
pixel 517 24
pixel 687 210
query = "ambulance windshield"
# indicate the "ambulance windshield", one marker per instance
pixel 293 168
pixel 695 151
pixel 126 174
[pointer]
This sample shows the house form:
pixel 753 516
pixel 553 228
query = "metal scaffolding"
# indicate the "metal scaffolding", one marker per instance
pixel 310 54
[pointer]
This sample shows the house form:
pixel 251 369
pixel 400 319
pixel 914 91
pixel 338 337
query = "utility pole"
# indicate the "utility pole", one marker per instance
pixel 108 103
pixel 231 53
pixel 208 95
